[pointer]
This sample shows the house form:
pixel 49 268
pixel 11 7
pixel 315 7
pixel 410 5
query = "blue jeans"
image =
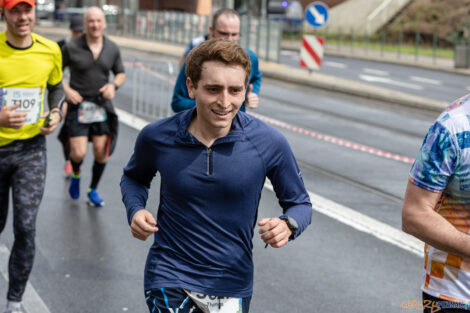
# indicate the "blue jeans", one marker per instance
pixel 175 300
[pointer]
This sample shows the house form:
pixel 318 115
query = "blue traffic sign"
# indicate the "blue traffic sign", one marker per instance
pixel 316 14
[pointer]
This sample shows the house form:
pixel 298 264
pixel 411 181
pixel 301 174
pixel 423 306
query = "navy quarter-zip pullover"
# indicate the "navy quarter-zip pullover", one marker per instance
pixel 209 200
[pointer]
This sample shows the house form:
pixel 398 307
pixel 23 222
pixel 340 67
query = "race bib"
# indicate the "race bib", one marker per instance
pixel 214 304
pixel 90 112
pixel 29 99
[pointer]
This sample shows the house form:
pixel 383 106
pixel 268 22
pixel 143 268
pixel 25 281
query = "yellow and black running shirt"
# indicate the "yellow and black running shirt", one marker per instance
pixel 24 76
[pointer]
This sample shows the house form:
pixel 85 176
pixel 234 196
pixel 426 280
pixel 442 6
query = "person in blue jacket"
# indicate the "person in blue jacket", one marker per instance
pixel 225 24
pixel 213 161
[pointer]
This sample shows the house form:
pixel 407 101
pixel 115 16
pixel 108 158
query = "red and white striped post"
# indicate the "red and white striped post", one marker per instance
pixel 311 52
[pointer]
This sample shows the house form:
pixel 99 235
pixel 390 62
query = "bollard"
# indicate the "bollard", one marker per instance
pixel 400 39
pixel 367 41
pixel 382 42
pixel 339 39
pixel 417 46
pixel 352 40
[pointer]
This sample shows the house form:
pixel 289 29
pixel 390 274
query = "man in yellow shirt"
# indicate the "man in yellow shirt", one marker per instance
pixel 29 64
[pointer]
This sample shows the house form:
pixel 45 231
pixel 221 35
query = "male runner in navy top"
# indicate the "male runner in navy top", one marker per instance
pixel 213 161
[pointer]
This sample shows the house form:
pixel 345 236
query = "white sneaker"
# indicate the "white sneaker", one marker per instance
pixel 14 308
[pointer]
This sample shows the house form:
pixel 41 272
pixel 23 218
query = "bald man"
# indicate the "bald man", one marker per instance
pixel 90 116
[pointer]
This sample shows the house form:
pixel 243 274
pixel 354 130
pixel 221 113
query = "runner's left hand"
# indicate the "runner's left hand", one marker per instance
pixel 252 99
pixel 274 231
pixel 108 91
pixel 53 122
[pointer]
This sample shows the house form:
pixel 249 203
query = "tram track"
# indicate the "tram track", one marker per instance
pixel 343 117
pixel 350 181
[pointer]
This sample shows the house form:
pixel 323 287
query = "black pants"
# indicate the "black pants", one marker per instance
pixel 432 304
pixel 23 170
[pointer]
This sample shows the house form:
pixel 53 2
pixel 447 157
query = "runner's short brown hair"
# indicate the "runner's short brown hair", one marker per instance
pixel 220 50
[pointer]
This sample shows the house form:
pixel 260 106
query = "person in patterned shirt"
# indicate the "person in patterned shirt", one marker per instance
pixel 436 206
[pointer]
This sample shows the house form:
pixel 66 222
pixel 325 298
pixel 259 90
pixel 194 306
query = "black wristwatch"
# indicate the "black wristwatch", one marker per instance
pixel 60 114
pixel 116 87
pixel 292 224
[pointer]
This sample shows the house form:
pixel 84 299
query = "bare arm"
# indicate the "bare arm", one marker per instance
pixel 109 89
pixel 71 94
pixel 421 220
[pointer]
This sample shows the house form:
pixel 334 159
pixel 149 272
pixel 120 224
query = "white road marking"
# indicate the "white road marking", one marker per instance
pixel 131 120
pixel 363 223
pixel 335 64
pixel 375 72
pixel 332 209
pixel 385 80
pixel 426 80
pixel 31 300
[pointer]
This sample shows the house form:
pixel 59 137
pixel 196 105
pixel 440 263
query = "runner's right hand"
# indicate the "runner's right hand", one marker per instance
pixel 73 96
pixel 11 119
pixel 143 225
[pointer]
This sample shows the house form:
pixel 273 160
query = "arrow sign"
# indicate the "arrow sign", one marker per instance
pixel 319 18
pixel 316 14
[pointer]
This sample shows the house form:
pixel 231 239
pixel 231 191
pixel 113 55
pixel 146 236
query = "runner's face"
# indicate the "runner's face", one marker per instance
pixel 219 94
pixel 95 23
pixel 20 19
pixel 227 27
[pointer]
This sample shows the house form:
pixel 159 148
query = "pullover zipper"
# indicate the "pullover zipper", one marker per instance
pixel 209 161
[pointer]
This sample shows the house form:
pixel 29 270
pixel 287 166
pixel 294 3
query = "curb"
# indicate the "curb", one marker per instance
pixel 317 80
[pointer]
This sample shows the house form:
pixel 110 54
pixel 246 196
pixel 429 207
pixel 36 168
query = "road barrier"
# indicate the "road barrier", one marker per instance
pixel 152 87
pixel 262 35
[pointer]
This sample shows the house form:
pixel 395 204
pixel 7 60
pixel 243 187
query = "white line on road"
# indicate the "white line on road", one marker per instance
pixel 426 80
pixel 332 209
pixel 375 72
pixel 363 223
pixel 31 300
pixel 385 80
pixel 335 64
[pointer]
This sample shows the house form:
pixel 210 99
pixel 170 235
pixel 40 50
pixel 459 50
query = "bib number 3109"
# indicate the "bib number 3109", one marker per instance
pixel 28 99
pixel 213 304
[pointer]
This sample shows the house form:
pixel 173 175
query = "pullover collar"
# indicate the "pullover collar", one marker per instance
pixel 183 136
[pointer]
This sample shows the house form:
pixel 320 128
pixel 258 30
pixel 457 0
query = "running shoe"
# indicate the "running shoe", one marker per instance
pixel 68 169
pixel 74 188
pixel 14 309
pixel 94 198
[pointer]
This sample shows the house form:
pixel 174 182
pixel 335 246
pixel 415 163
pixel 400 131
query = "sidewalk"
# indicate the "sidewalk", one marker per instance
pixel 282 72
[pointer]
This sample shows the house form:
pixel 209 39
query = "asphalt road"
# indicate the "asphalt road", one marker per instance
pixel 87 261
pixel 418 81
